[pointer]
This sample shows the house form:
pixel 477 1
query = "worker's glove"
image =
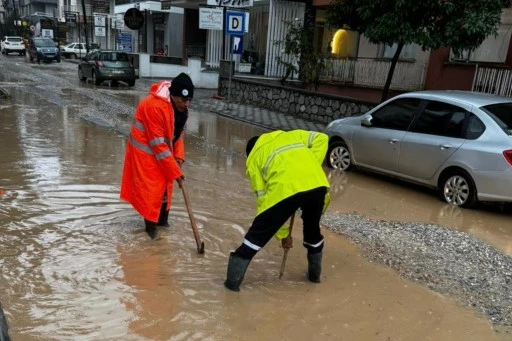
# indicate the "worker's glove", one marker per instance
pixel 287 243
pixel 180 180
pixel 282 233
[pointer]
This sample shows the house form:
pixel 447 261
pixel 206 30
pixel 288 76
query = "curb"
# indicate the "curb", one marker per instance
pixel 221 113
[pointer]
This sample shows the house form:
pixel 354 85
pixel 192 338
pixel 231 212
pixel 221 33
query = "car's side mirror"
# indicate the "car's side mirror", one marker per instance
pixel 366 121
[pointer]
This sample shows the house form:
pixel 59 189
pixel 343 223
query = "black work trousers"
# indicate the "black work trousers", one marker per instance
pixel 266 224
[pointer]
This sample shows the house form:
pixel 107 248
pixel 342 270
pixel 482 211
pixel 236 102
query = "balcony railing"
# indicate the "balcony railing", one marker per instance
pixel 408 76
pixel 490 80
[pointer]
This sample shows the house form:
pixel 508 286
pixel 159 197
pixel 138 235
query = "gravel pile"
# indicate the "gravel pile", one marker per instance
pixel 447 261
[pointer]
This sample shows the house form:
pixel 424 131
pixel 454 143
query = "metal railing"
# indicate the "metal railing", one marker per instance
pixel 407 76
pixel 492 80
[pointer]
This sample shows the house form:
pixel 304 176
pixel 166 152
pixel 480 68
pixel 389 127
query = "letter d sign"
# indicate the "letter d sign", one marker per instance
pixel 235 23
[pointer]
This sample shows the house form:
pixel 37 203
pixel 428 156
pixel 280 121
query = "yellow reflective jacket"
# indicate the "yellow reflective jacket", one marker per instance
pixel 282 164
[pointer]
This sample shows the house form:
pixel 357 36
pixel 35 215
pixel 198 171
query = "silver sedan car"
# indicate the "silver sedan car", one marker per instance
pixel 458 142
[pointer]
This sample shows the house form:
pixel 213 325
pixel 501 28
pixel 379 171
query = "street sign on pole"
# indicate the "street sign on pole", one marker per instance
pixel 235 23
pixel 211 18
pixel 238 44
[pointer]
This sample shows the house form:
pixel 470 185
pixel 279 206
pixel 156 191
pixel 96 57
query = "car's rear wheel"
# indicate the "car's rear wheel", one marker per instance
pixel 458 189
pixel 131 82
pixel 338 156
pixel 81 75
pixel 72 56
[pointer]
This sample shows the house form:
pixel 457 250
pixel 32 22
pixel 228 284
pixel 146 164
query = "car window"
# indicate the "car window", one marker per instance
pixel 114 56
pixel 441 119
pixel 44 43
pixel 501 114
pixel 475 128
pixel 397 114
pixel 14 39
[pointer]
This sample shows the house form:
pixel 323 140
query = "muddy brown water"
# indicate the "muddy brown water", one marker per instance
pixel 75 263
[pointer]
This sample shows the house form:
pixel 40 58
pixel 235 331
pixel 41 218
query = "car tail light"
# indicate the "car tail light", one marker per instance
pixel 7 43
pixel 508 155
pixel 99 64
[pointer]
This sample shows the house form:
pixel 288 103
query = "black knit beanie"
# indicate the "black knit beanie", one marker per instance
pixel 250 144
pixel 182 86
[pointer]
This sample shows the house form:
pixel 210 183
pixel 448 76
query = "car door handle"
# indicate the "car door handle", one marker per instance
pixel 445 146
pixel 392 141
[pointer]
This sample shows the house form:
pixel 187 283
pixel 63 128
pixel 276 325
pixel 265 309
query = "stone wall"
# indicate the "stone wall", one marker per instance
pixel 305 104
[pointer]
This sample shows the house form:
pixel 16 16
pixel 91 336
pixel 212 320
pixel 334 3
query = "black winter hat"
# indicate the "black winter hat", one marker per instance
pixel 182 86
pixel 250 144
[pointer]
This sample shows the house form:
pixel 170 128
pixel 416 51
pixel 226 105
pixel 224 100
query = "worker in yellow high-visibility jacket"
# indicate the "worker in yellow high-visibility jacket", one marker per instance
pixel 285 171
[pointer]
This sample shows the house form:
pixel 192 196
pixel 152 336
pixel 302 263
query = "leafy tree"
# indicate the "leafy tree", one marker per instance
pixel 459 24
pixel 8 26
pixel 302 57
pixel 9 29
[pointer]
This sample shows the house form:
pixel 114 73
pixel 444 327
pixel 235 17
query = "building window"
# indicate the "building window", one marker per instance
pixel 339 43
pixel 494 49
pixel 388 51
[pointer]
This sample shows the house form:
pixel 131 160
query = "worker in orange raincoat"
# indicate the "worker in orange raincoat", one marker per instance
pixel 155 151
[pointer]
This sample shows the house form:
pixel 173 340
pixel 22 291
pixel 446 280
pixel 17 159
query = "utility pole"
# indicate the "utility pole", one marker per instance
pixel 85 27
pixel 15 18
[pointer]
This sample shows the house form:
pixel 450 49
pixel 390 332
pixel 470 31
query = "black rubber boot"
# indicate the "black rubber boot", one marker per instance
pixel 4 328
pixel 163 219
pixel 151 229
pixel 236 271
pixel 314 267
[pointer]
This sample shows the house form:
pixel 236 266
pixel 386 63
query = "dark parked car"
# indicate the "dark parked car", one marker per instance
pixel 43 49
pixel 103 66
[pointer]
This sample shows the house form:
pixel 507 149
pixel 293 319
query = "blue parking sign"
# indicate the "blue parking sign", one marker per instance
pixel 235 23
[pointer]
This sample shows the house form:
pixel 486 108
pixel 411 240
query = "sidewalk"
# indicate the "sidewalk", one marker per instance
pixel 264 118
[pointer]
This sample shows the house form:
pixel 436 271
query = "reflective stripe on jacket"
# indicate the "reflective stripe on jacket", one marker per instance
pixel 150 167
pixel 282 164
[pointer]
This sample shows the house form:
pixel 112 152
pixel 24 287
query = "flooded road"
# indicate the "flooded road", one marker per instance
pixel 76 264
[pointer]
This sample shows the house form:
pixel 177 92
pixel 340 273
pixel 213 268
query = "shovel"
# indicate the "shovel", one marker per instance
pixel 199 243
pixel 283 263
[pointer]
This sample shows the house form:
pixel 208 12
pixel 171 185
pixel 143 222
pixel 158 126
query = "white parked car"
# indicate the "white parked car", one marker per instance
pixel 12 44
pixel 73 50
pixel 77 50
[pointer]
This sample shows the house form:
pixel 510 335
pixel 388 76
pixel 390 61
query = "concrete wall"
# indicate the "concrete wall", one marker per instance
pixel 201 78
pixel 308 105
pixel 442 75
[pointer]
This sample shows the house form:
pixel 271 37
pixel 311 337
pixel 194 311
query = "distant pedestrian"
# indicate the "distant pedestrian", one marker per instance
pixel 155 151
pixel 285 172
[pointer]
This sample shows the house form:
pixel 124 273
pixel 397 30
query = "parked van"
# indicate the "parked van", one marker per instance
pixel 44 49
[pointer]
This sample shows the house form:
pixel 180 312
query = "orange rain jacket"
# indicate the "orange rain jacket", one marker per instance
pixel 150 165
